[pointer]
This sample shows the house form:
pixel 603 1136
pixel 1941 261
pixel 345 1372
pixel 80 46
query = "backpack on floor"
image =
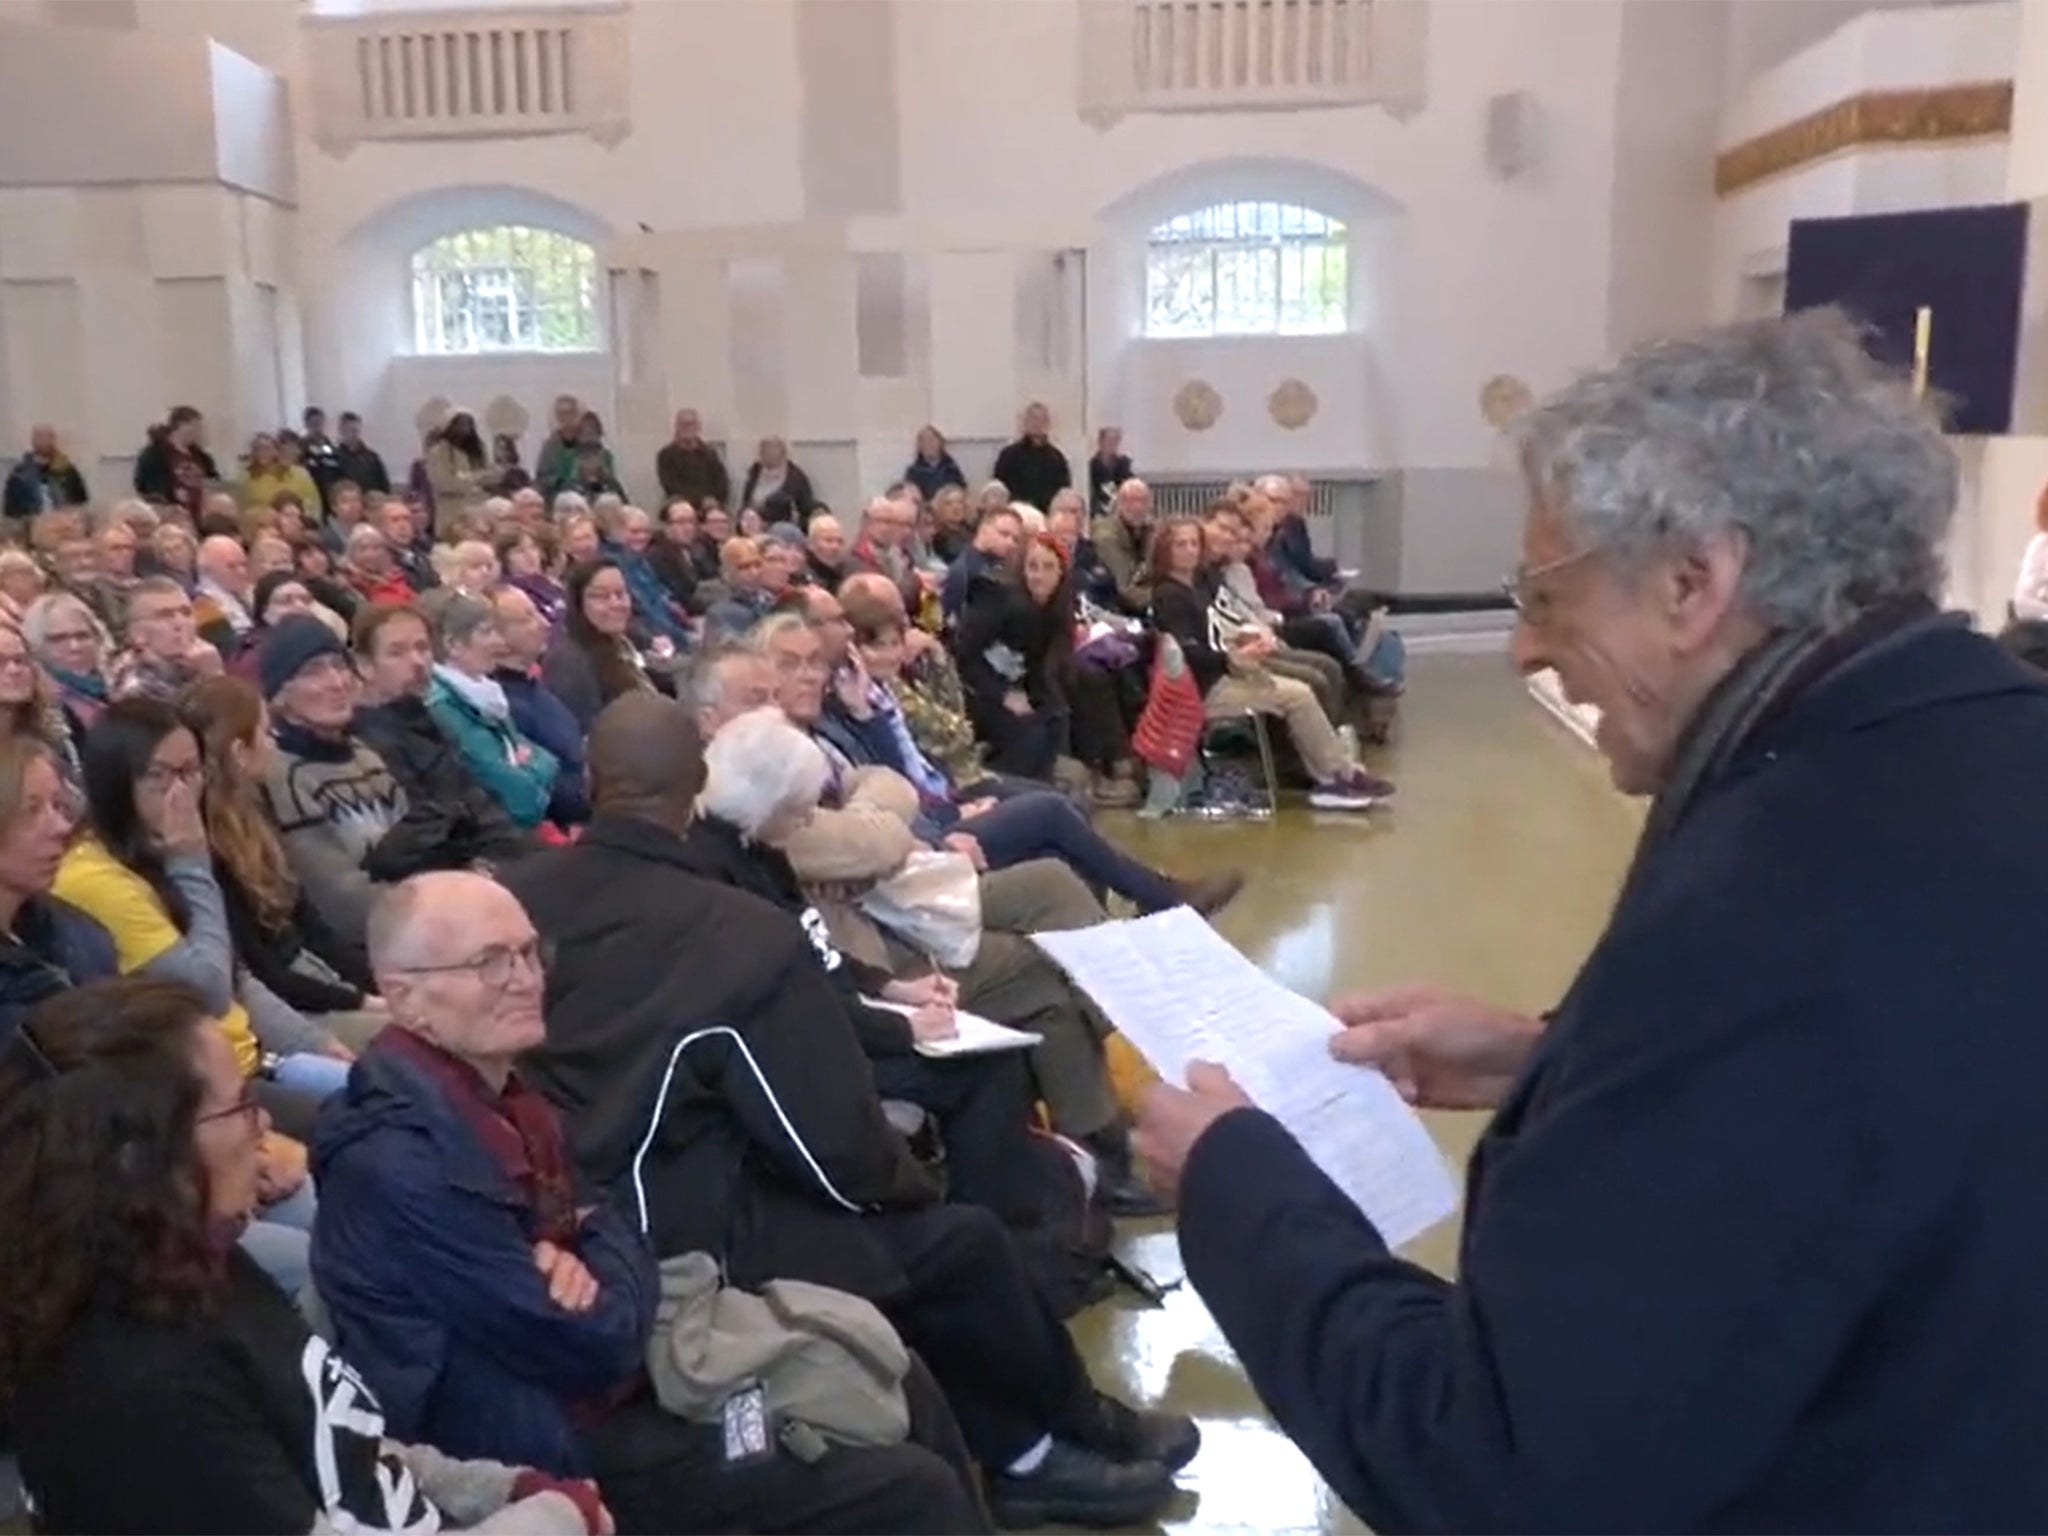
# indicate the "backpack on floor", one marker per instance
pixel 1067 1250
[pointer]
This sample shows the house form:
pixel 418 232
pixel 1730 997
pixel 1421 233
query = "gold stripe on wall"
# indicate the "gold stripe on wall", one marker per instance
pixel 1937 114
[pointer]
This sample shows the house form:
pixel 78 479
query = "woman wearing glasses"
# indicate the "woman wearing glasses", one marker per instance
pixel 143 872
pixel 130 1160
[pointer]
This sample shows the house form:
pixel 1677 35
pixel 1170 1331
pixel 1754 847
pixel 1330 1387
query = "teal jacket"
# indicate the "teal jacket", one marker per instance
pixel 518 773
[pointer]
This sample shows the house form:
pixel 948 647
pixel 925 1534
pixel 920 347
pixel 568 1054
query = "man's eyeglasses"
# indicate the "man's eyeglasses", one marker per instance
pixel 1529 600
pixel 497 966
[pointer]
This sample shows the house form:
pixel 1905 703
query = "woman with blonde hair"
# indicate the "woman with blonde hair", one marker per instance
pixel 28 707
pixel 21 582
pixel 277 933
pixel 470 566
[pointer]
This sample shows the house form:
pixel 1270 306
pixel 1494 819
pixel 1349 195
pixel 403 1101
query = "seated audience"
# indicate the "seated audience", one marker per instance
pixel 952 523
pixel 470 566
pixel 582 540
pixel 747 600
pixel 47 945
pixel 656 611
pixel 1226 659
pixel 119 552
pixel 374 570
pixel 70 646
pixel 767 1147
pixel 931 467
pixel 1122 543
pixel 474 713
pixel 395 655
pixel 884 548
pixel 144 870
pixel 165 654
pixel 1317 615
pixel 44 479
pixel 596 659
pixel 343 816
pixel 1108 467
pixel 761 777
pixel 1021 665
pixel 402 539
pixel 131 1154
pixel 494 1309
pixel 994 550
pixel 537 714
pixel 527 558
pixel 772 474
pixel 1226 538
pixel 21 582
pixel 266 472
pixel 999 825
pixel 345 513
pixel 862 832
pixel 913 665
pixel 668 552
pixel 825 551
pixel 278 934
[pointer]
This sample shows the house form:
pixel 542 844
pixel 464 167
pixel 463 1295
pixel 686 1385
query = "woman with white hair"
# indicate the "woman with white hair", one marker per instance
pixel 764 781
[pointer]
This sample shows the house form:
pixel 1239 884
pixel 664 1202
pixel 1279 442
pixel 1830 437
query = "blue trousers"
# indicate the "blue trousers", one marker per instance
pixel 1044 824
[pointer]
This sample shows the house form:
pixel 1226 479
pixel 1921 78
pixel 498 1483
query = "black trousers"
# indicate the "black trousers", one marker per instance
pixel 969 1307
pixel 1101 728
pixel 983 1108
pixel 659 1473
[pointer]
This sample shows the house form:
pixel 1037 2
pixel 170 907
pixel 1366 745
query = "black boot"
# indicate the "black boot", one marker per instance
pixel 1127 1434
pixel 1123 1191
pixel 1077 1486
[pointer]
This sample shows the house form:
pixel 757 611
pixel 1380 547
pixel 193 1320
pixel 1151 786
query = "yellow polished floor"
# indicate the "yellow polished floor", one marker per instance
pixel 1493 876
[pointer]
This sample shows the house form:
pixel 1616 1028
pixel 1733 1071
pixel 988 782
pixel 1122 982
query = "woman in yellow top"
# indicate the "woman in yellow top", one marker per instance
pixel 269 473
pixel 144 874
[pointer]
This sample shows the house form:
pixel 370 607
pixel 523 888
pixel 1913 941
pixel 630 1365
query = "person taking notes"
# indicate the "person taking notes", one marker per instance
pixel 1754 1238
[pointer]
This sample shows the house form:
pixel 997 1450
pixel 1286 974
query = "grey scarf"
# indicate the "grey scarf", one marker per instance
pixel 1767 679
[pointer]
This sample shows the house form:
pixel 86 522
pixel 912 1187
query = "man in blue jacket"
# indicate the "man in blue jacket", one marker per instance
pixel 1754 1241
pixel 494 1307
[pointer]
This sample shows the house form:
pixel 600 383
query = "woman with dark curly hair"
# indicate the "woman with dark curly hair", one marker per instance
pixel 134 1332
pixel 596 657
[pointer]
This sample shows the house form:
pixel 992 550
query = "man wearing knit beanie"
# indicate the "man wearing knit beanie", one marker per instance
pixel 291 646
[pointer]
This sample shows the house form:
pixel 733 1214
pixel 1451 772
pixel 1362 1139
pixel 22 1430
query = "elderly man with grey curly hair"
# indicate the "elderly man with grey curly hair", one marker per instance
pixel 1754 1240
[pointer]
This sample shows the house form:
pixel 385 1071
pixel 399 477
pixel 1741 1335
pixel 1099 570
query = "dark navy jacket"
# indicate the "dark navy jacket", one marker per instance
pixel 53 948
pixel 1757 1241
pixel 423 1256
pixel 540 716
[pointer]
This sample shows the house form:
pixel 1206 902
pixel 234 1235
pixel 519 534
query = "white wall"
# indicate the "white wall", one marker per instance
pixel 1887 49
pixel 858 215
pixel 147 243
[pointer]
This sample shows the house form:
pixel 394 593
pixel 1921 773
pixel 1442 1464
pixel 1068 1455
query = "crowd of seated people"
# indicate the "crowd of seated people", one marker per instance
pixel 546 866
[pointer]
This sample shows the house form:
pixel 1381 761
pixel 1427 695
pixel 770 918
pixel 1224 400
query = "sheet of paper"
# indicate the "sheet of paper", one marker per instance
pixel 975 1035
pixel 1180 993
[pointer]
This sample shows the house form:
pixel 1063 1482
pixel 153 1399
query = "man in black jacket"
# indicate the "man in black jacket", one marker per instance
pixel 1032 468
pixel 710 1077
pixel 396 659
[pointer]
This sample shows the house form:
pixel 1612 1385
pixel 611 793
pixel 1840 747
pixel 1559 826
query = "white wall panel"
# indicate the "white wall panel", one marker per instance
pixel 45 381
pixel 974 342
pixel 38 233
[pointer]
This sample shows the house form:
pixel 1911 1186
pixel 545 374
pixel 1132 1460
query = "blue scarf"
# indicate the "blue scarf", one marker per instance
pixel 91 684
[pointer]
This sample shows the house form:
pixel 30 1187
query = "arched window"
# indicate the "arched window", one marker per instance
pixel 506 289
pixel 1247 269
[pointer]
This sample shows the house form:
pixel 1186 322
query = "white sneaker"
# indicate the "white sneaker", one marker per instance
pixel 1341 797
